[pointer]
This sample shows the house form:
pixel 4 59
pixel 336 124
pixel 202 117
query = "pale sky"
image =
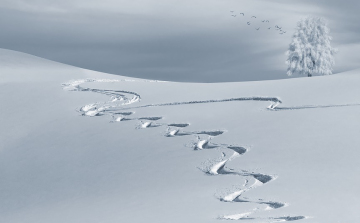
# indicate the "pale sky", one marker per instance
pixel 174 40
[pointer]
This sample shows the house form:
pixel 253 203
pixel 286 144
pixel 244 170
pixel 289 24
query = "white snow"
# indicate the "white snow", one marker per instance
pixel 145 124
pixel 92 112
pixel 58 166
pixel 201 144
pixel 232 196
pixel 237 216
pixel 119 119
pixel 214 170
pixel 173 132
pixel 88 107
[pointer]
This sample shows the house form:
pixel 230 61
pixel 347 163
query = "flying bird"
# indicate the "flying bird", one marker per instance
pixel 267 20
pixel 233 15
pixel 263 21
pixel 248 23
pixel 253 16
pixel 242 14
pixel 231 11
pixel 258 28
pixel 269 28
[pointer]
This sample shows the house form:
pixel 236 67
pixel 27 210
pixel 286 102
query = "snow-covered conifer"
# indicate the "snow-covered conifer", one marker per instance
pixel 310 52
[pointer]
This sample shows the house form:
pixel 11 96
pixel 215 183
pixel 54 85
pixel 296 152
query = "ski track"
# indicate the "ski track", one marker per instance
pixel 119 99
pixel 118 96
pixel 180 125
pixel 178 132
pixel 313 106
pixel 275 102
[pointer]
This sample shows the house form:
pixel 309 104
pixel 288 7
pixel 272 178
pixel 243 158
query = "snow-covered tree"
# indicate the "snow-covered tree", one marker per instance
pixel 310 51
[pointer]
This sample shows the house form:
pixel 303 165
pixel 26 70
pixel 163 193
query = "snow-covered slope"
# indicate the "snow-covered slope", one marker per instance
pixel 82 146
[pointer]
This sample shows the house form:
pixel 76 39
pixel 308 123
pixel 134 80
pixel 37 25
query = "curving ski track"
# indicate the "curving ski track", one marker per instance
pixel 119 99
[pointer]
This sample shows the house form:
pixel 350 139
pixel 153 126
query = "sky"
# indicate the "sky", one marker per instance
pixel 188 41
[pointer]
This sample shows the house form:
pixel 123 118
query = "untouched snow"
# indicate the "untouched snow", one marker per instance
pixel 175 152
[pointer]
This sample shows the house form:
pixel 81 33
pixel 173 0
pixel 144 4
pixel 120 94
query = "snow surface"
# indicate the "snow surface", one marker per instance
pixel 71 153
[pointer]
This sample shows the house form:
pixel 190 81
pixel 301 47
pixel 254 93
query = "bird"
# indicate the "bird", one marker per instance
pixel 253 16
pixel 263 21
pixel 242 14
pixel 267 20
pixel 258 28
pixel 248 23
pixel 233 15
pixel 269 28
pixel 231 11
